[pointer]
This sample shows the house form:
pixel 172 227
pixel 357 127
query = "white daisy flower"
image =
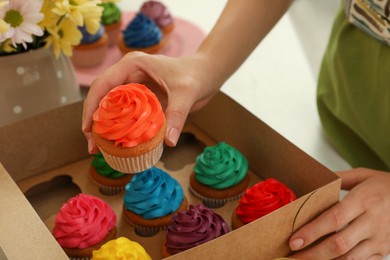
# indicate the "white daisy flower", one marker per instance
pixel 22 18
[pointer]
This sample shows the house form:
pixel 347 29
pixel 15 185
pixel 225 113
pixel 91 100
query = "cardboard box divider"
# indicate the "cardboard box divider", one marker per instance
pixel 45 148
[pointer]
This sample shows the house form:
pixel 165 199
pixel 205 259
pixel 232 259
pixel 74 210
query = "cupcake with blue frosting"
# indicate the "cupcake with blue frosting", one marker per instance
pixel 92 49
pixel 141 34
pixel 151 198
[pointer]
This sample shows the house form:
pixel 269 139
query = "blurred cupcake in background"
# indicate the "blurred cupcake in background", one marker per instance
pixel 92 49
pixel 112 21
pixel 141 34
pixel 160 14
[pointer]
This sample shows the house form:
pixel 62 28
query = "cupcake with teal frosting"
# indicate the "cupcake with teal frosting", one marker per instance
pixel 151 198
pixel 141 34
pixel 109 180
pixel 121 248
pixel 92 49
pixel 220 175
pixel 112 21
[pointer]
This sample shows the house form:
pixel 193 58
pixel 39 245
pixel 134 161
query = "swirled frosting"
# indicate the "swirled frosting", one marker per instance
pixel 121 248
pixel 220 166
pixel 193 227
pixel 158 12
pixel 152 194
pixel 263 198
pixel 129 115
pixel 102 167
pixel 142 32
pixel 90 38
pixel 83 221
pixel 111 13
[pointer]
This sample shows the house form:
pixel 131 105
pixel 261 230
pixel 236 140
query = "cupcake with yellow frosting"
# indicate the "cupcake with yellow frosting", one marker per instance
pixel 121 248
pixel 150 200
pixel 220 175
pixel 83 224
pixel 129 128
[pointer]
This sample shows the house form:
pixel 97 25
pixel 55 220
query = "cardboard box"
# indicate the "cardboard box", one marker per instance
pixel 47 158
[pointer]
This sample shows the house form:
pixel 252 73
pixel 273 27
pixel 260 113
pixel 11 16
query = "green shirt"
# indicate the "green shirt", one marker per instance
pixel 353 95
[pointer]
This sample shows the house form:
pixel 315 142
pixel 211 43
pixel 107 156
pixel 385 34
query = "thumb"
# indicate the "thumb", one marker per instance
pixel 351 178
pixel 176 114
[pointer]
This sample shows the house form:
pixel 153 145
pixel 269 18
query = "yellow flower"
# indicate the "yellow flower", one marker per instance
pixel 7 46
pixel 110 1
pixel 81 12
pixel 64 37
pixel 3 26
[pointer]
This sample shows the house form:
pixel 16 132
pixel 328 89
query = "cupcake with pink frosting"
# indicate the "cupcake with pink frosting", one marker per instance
pixel 83 224
pixel 191 228
pixel 160 14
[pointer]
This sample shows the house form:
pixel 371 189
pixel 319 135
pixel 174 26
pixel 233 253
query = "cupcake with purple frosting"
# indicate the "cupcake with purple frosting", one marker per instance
pixel 151 198
pixel 191 228
pixel 92 49
pixel 141 34
pixel 160 14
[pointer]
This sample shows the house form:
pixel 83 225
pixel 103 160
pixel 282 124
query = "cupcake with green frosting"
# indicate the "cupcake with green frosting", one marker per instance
pixel 109 181
pixel 112 21
pixel 220 175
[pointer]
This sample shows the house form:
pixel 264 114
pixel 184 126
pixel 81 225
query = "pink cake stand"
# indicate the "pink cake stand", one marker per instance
pixel 185 40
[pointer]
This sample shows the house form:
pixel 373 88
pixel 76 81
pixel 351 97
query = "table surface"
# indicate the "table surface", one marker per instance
pixel 278 83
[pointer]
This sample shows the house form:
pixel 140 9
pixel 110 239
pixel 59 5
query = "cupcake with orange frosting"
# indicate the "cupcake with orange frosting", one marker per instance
pixel 121 248
pixel 129 127
pixel 109 180
pixel 220 175
pixel 83 224
pixel 193 227
pixel 141 34
pixel 150 200
pixel 92 49
pixel 160 14
pixel 261 199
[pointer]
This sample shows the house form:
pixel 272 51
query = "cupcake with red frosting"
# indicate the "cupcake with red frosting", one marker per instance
pixel 220 175
pixel 150 200
pixel 160 14
pixel 261 199
pixel 83 224
pixel 109 180
pixel 191 228
pixel 129 128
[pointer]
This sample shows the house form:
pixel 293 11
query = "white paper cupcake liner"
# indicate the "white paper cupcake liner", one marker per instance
pixel 134 164
pixel 214 203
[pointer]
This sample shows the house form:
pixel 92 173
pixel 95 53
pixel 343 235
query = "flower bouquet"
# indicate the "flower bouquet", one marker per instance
pixel 31 24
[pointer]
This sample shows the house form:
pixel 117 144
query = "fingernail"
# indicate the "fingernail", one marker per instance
pixel 173 136
pixel 296 244
pixel 90 147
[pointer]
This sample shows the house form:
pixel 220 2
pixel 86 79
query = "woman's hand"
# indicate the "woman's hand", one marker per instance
pixel 181 84
pixel 361 221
